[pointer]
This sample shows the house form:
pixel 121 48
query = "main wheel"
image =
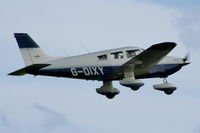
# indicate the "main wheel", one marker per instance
pixel 110 96
pixel 168 92
pixel 135 88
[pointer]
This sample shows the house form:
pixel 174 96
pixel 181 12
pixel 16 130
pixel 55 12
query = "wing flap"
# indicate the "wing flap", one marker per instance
pixel 25 70
pixel 148 58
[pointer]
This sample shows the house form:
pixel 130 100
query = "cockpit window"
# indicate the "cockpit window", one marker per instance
pixel 102 57
pixel 132 53
pixel 117 55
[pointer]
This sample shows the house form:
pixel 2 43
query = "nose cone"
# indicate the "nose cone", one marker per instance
pixel 186 62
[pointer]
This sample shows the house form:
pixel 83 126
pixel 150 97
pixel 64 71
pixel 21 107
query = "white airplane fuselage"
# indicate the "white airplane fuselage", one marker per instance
pixel 90 67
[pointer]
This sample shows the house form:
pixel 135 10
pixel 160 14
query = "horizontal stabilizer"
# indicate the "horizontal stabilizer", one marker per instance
pixel 25 70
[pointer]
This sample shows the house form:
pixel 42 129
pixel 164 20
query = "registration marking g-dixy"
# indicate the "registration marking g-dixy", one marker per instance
pixel 87 71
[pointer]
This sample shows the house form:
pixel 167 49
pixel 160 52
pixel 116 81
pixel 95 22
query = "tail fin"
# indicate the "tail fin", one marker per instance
pixel 30 51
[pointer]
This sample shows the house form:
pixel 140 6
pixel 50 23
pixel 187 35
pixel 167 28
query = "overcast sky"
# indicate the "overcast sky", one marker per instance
pixel 57 105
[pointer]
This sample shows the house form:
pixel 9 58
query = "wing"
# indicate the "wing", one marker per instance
pixel 147 59
pixel 25 70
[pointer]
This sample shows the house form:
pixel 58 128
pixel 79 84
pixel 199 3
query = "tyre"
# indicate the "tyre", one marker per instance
pixel 110 96
pixel 168 92
pixel 135 88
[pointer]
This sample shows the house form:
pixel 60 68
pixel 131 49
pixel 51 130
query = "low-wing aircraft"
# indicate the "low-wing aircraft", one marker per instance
pixel 127 64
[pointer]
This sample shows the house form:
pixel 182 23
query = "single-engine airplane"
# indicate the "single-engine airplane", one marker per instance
pixel 127 64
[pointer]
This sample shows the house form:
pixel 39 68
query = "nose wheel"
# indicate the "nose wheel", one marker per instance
pixel 169 92
pixel 166 87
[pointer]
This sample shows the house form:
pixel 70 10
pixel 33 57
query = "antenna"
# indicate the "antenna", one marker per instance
pixel 85 48
pixel 64 52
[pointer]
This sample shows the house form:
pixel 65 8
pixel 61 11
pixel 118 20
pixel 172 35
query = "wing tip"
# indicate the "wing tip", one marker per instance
pixel 16 74
pixel 164 45
pixel 26 70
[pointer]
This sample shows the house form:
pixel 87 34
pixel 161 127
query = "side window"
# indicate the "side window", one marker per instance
pixel 117 55
pixel 102 57
pixel 130 53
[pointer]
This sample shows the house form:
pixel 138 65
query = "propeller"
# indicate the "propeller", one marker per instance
pixel 187 57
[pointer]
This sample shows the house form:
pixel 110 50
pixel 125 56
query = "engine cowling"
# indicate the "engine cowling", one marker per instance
pixel 134 84
pixel 168 88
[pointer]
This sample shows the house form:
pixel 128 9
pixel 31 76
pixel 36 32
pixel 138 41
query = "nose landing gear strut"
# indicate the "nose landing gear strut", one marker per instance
pixel 166 87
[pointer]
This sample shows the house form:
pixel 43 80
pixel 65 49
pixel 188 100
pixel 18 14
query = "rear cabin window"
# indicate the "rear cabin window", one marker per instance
pixel 102 57
pixel 117 55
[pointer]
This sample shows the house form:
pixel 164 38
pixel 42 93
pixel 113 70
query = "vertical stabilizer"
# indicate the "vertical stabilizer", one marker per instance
pixel 31 52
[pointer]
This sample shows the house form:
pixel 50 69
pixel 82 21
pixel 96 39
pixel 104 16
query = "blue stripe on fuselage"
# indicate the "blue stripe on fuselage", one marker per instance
pixel 161 71
pixel 103 72
pixel 89 73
